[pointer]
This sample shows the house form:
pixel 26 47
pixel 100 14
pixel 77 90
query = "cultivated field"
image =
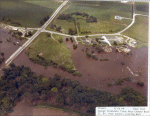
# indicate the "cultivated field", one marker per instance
pixel 27 13
pixel 142 8
pixel 51 50
pixel 103 11
pixel 139 30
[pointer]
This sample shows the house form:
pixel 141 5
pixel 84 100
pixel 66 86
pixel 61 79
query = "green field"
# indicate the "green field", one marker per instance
pixel 139 30
pixel 27 13
pixel 51 50
pixel 103 11
pixel 142 8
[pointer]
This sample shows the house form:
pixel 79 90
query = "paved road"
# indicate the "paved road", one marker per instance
pixel 18 51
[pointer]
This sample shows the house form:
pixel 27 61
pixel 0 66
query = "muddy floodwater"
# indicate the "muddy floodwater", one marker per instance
pixel 95 73
pixel 6 47
pixel 23 108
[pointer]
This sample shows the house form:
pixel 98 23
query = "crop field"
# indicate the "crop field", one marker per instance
pixel 139 30
pixel 27 13
pixel 51 50
pixel 103 11
pixel 142 8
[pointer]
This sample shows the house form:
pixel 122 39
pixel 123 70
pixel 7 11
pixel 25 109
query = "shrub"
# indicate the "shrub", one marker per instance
pixel 115 43
pixel 127 79
pixel 140 83
pixel 92 51
pixel 74 46
pixel 48 35
pixel 109 84
pixel 60 40
pixel 88 55
pixel 67 39
pixel 119 82
pixel 54 90
pixel 2 54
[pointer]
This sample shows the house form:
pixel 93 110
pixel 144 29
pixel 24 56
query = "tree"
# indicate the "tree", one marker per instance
pixel 48 35
pixel 140 83
pixel 119 82
pixel 91 109
pixel 54 90
pixel 115 43
pixel 86 36
pixel 74 46
pixel 67 39
pixel 2 54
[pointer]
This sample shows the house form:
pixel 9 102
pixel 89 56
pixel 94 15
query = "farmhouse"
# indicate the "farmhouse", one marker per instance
pixel 15 29
pixel 88 41
pixel 118 17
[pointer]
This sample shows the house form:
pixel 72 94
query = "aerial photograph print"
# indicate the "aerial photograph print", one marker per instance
pixel 67 57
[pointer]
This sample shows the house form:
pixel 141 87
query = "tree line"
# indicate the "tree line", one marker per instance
pixel 19 82
pixel 42 61
pixel 2 58
pixel 8 20
pixel 68 17
pixel 44 20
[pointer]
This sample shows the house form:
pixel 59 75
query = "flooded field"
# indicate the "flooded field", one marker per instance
pixel 95 73
pixel 98 74
pixel 24 109
pixel 6 47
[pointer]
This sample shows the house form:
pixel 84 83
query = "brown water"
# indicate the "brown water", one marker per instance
pixel 23 108
pixel 94 72
pixel 7 48
pixel 100 70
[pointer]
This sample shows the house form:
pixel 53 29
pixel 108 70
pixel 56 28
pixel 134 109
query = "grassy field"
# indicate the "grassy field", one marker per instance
pixel 139 30
pixel 64 24
pixel 142 8
pixel 52 50
pixel 27 13
pixel 103 11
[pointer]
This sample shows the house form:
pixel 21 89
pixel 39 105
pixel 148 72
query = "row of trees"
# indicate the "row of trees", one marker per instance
pixel 91 19
pixel 104 59
pixel 72 32
pixel 18 35
pixel 20 82
pixel 55 27
pixel 91 56
pixel 8 20
pixel 2 58
pixel 85 32
pixel 44 20
pixel 68 17
pixel 42 61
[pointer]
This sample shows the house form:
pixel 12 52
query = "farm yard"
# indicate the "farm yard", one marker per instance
pixel 26 13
